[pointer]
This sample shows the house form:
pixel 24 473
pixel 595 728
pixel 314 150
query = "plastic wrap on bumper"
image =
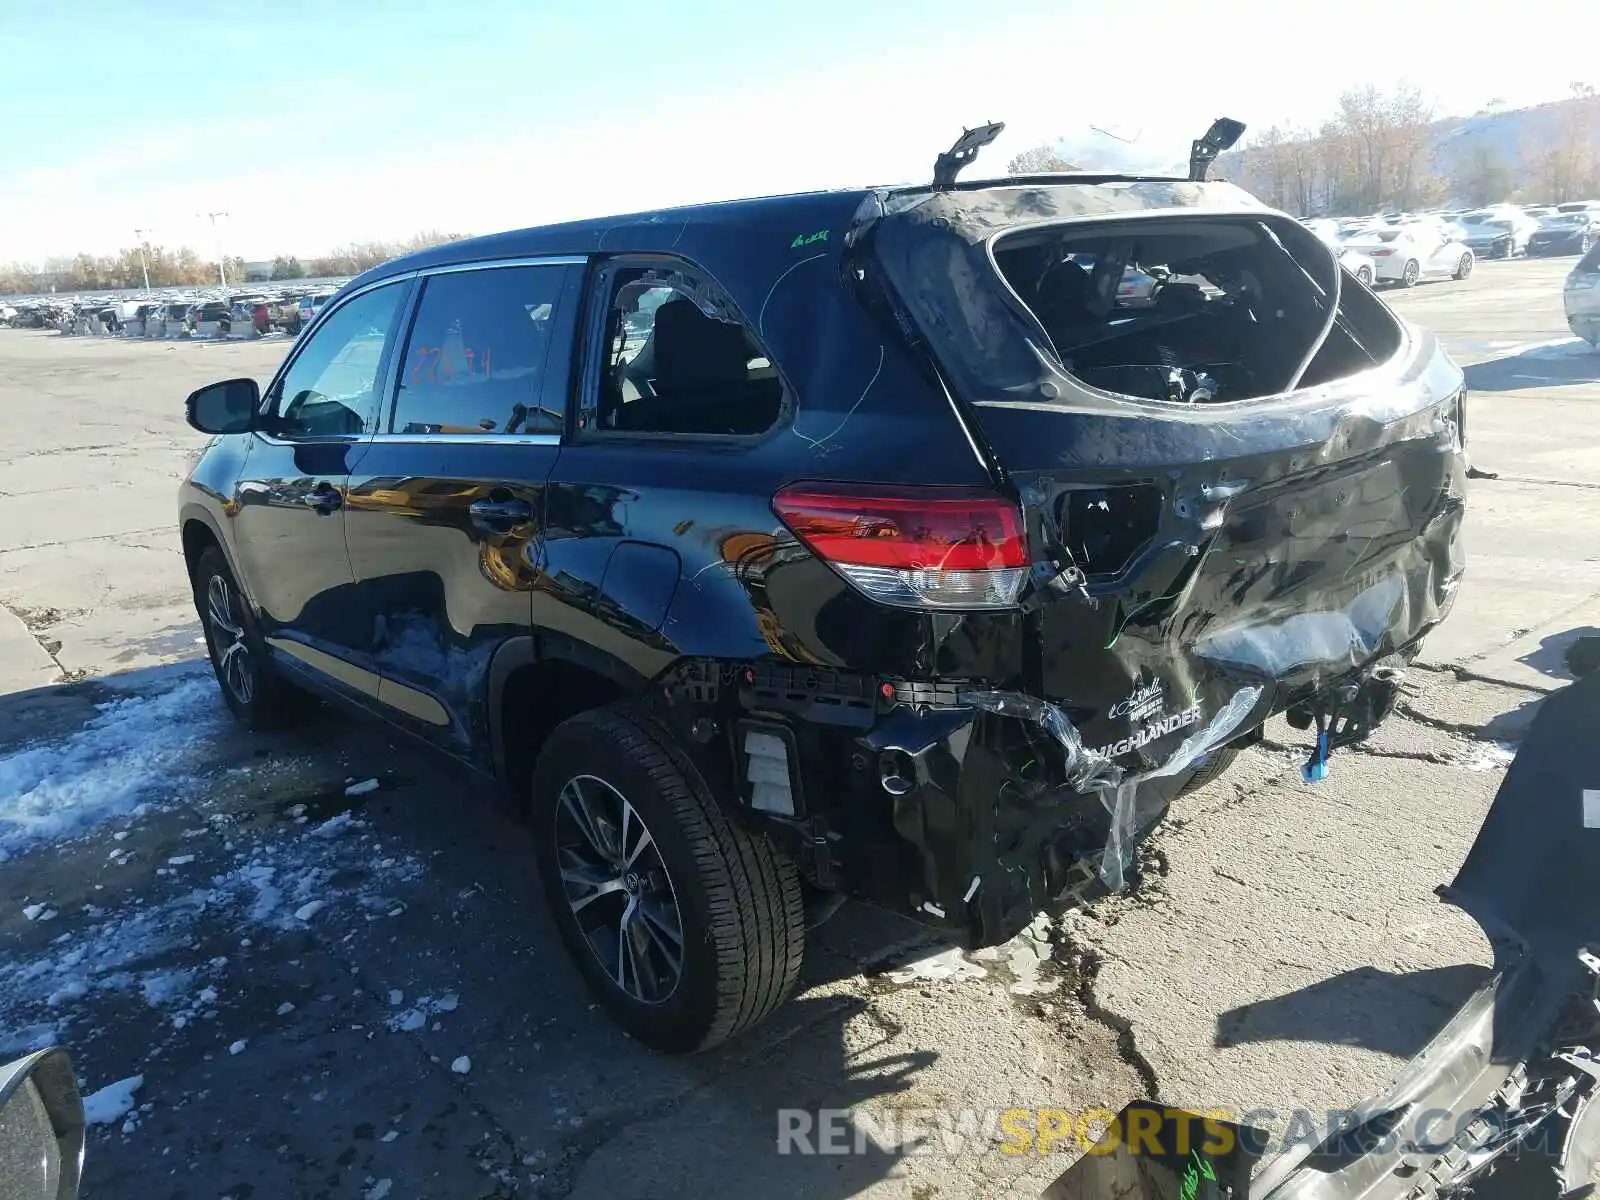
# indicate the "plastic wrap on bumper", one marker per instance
pixel 1119 791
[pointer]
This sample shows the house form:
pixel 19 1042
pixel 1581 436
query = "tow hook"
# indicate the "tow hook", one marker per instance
pixel 1345 714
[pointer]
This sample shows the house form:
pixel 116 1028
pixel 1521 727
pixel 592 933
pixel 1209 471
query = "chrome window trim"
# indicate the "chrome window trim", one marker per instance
pixel 329 308
pixel 469 439
pixel 493 264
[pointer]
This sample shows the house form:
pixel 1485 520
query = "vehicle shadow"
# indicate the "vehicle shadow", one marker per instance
pixel 1392 1012
pixel 555 1095
pixel 1561 365
pixel 1550 658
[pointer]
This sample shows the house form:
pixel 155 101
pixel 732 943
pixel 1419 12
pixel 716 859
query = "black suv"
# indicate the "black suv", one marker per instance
pixel 852 543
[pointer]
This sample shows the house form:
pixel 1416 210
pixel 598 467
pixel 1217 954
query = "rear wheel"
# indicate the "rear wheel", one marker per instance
pixel 1364 274
pixel 1214 767
pixel 251 687
pixel 688 928
pixel 1464 266
pixel 1411 273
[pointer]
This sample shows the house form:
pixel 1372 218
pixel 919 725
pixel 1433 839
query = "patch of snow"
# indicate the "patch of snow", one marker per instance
pixel 112 1102
pixel 181 860
pixel 150 949
pixel 137 748
pixel 379 1190
pixel 285 1008
pixel 390 1136
pixel 947 966
pixel 36 912
pixel 362 788
pixel 164 988
pixel 73 989
pixel 396 996
pixel 418 1015
pixel 461 1065
pixel 334 826
pixel 1490 756
pixel 238 1047
pixel 308 910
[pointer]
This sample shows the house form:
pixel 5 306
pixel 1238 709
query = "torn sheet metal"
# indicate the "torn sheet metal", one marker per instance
pixel 1119 791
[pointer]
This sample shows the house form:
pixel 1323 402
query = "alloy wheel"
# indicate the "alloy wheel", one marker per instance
pixel 234 665
pixel 1464 267
pixel 618 889
pixel 1412 273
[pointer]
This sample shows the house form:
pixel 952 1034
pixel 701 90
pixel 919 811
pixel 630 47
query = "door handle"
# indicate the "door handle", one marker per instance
pixel 323 499
pixel 499 515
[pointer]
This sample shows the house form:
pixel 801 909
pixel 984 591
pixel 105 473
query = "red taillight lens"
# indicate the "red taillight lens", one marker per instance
pixel 913 547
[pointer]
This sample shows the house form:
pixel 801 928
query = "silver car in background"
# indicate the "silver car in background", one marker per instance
pixel 1582 298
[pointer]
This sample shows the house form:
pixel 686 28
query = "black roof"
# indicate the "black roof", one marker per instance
pixel 681 230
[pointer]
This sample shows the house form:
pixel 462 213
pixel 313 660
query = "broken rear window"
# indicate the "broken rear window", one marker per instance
pixel 1192 311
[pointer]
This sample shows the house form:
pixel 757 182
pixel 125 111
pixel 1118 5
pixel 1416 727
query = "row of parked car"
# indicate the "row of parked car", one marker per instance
pixel 1404 248
pixel 171 316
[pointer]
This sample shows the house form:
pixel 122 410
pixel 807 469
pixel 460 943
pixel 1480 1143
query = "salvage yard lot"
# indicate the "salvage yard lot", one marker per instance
pixel 337 995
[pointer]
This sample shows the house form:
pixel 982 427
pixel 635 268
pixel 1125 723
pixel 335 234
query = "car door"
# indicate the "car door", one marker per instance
pixel 446 507
pixel 288 509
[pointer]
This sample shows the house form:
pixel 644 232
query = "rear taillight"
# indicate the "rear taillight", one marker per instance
pixel 946 548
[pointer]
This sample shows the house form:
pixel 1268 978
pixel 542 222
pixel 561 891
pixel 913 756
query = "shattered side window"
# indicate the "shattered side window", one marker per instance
pixel 679 360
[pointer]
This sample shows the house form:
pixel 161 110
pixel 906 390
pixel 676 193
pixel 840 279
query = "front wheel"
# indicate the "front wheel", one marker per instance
pixel 1464 267
pixel 252 689
pixel 1411 273
pixel 687 927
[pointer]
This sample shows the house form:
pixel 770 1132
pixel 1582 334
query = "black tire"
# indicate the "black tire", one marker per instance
pixel 269 701
pixel 1215 766
pixel 1410 273
pixel 738 902
pixel 1464 267
pixel 1364 275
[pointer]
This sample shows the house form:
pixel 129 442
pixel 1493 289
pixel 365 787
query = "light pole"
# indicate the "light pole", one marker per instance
pixel 144 266
pixel 222 263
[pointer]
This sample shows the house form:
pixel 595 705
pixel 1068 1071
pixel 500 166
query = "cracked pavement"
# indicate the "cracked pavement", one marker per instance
pixel 1284 948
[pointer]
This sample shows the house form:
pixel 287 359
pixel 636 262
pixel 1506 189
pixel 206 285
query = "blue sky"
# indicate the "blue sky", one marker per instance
pixel 313 124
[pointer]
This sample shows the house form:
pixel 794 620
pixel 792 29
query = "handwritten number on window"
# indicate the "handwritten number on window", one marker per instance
pixel 429 365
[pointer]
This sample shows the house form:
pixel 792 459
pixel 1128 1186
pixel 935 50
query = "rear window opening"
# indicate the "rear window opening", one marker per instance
pixel 1192 311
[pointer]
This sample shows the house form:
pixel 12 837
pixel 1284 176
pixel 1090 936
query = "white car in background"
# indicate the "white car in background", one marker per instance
pixel 1406 254
pixel 1358 264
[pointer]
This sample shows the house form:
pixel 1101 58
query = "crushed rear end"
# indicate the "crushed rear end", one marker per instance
pixel 1240 497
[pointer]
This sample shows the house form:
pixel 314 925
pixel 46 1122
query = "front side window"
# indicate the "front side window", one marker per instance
pixel 479 352
pixel 678 359
pixel 331 387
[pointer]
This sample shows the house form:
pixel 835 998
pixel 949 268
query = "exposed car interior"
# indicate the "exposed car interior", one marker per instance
pixel 1190 312
pixel 680 362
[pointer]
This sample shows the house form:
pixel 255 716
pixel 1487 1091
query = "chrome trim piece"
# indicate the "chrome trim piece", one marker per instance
pixel 412 702
pixel 331 665
pixel 566 260
pixel 470 439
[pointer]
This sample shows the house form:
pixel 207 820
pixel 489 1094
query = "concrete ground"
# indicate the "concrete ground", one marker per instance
pixel 333 995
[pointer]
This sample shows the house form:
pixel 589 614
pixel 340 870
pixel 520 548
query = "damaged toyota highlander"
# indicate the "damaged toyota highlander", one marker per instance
pixel 864 543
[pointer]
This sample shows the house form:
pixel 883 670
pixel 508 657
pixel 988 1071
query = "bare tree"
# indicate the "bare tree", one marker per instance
pixel 1043 159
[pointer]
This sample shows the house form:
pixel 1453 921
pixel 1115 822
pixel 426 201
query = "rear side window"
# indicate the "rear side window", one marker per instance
pixel 480 353
pixel 678 359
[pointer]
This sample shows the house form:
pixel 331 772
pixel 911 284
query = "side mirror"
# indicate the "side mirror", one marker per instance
pixel 227 407
pixel 41 1127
